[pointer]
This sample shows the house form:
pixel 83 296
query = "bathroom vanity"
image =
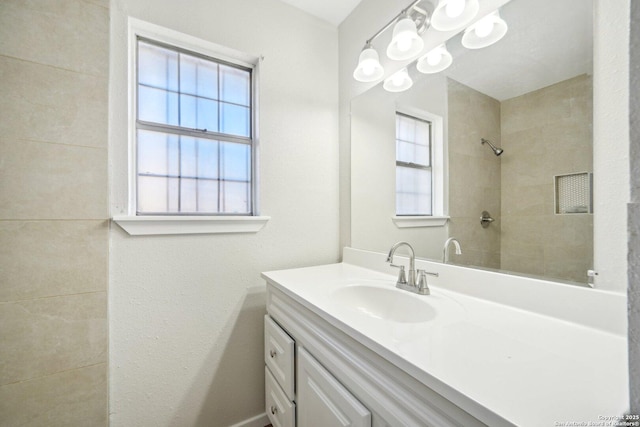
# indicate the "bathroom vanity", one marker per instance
pixel 344 346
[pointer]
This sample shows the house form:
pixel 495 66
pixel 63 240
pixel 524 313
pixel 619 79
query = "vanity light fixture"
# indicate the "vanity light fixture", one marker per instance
pixel 398 82
pixel 485 32
pixel 405 43
pixel 450 15
pixel 435 60
pixel 369 68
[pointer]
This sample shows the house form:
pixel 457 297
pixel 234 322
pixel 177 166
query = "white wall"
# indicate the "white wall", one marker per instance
pixel 185 312
pixel 611 143
pixel 373 167
pixel 634 213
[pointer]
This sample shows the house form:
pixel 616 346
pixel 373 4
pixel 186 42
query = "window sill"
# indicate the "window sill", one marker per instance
pixel 419 221
pixel 159 225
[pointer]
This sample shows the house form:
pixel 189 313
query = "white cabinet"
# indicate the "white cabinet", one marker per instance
pixel 279 354
pixel 323 401
pixel 281 411
pixel 304 393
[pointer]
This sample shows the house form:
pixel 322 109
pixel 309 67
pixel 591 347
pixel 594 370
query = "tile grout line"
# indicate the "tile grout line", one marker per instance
pixel 15 58
pixel 54 373
pixel 52 296
pixel 38 141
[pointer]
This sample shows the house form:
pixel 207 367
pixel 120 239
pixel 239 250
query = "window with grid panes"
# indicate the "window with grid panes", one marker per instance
pixel 413 166
pixel 194 145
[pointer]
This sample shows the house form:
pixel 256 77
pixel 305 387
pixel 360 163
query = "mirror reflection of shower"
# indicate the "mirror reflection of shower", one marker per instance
pixel 496 150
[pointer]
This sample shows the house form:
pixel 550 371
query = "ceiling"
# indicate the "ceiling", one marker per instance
pixel 332 11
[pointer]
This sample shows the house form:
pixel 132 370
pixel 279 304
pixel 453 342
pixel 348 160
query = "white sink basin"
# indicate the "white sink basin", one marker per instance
pixel 385 303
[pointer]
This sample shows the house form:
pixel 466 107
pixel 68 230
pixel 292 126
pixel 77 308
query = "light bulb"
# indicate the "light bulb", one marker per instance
pixel 434 57
pixel 454 8
pixel 404 43
pixel 368 68
pixel 484 27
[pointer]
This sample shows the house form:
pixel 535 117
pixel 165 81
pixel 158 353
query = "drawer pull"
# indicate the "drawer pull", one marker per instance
pixel 274 410
pixel 272 353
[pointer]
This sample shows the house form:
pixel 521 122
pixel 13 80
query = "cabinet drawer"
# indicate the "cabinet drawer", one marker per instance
pixel 281 412
pixel 279 355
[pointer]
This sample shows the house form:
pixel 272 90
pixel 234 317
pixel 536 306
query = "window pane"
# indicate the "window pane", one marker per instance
pixel 188 201
pixel 198 77
pixel 207 159
pixel 198 113
pixel 235 197
pixel 413 191
pixel 157 194
pixel 152 194
pixel 412 153
pixel 405 128
pixel 188 157
pixel 423 132
pixel 156 153
pixel 234 120
pixel 158 106
pixel 207 114
pixel 207 195
pixel 236 161
pixel 234 85
pixel 157 66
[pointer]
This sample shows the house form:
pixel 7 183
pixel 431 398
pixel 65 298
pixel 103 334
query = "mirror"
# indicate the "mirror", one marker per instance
pixel 530 94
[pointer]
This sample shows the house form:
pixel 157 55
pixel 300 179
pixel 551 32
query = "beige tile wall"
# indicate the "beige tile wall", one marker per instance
pixel 474 175
pixel 545 133
pixel 53 212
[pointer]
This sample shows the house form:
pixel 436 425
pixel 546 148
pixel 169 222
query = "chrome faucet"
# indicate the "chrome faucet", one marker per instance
pixel 417 280
pixel 446 246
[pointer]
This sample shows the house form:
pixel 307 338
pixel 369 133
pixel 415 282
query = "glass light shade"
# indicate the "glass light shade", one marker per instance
pixel 405 43
pixel 485 32
pixel 398 82
pixel 435 61
pixel 452 15
pixel 369 68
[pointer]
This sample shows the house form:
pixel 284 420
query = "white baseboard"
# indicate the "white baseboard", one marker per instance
pixel 258 421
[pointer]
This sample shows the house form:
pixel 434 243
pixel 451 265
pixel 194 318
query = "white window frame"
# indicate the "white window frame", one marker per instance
pixel 185 224
pixel 437 217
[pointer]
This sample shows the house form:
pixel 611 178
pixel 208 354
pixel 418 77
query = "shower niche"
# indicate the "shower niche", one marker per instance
pixel 573 193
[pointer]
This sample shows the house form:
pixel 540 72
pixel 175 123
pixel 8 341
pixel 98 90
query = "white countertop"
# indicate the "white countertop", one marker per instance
pixel 526 368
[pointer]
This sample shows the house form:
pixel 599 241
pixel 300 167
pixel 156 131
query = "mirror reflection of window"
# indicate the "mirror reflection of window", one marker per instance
pixel 413 166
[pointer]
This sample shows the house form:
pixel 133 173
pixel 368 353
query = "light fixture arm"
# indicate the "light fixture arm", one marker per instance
pixel 395 18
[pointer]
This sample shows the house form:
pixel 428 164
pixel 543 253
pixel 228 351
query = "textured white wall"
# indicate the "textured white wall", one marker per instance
pixel 611 143
pixel 185 312
pixel 373 167
pixel 634 213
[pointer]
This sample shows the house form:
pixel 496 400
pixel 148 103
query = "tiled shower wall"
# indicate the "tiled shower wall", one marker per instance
pixel 53 212
pixel 474 175
pixel 545 133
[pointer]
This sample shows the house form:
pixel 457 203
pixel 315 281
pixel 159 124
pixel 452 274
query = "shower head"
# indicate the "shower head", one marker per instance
pixel 496 150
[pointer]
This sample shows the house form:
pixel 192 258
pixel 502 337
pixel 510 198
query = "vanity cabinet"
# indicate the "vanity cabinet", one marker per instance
pixel 303 393
pixel 323 401
pixel 338 380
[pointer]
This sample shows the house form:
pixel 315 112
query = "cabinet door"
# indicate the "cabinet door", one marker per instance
pixel 322 400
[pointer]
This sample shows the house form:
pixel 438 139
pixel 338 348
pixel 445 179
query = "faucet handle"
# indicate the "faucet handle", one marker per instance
pixel 402 277
pixel 423 287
